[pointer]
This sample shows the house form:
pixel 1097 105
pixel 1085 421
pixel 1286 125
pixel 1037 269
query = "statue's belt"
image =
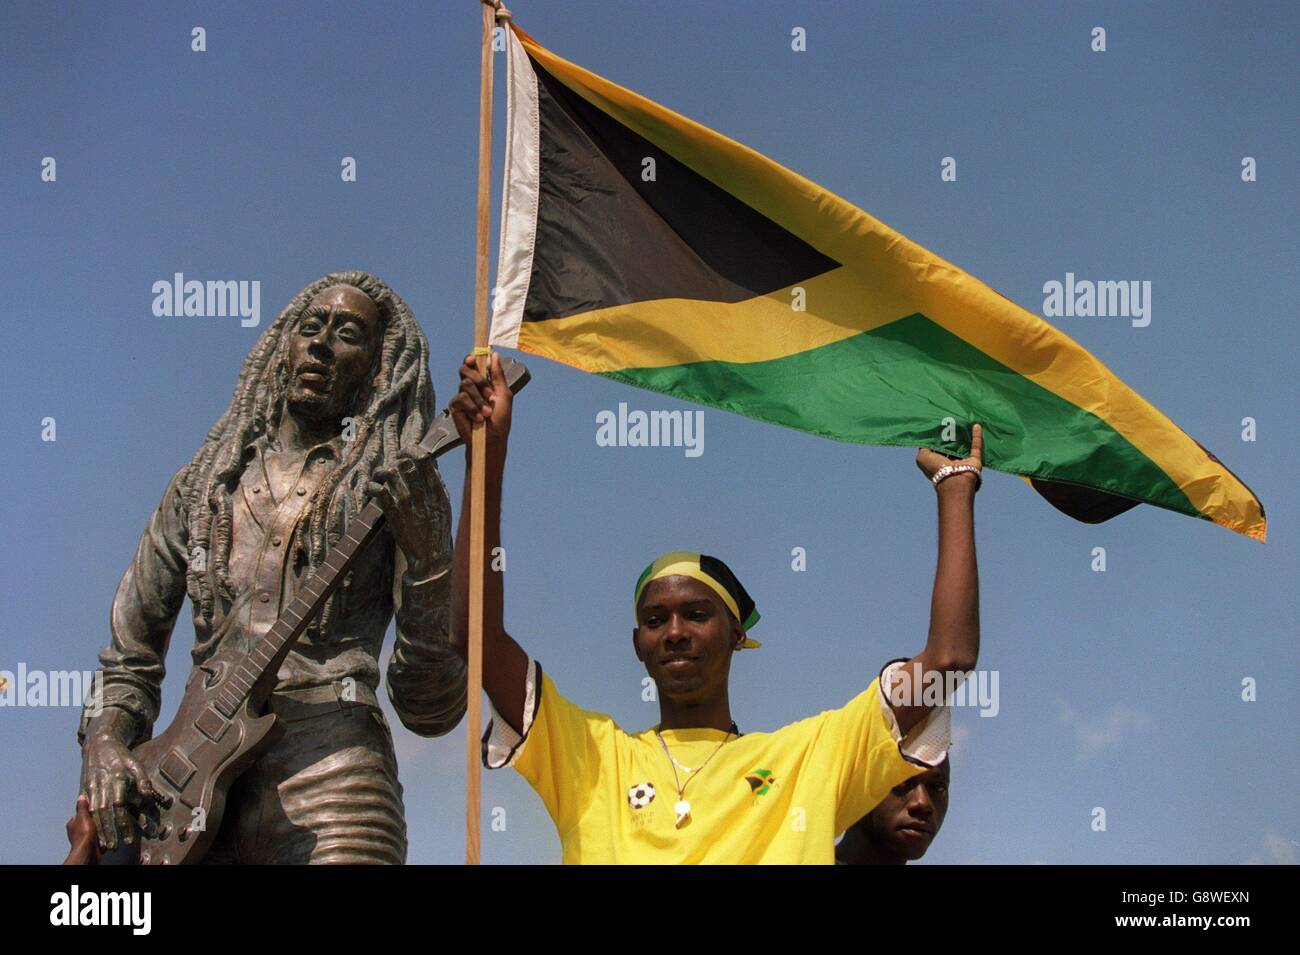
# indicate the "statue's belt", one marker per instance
pixel 304 703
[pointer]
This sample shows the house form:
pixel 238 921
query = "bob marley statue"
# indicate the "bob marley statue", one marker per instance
pixel 328 411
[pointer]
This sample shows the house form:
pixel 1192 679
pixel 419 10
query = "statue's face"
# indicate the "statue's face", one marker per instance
pixel 331 352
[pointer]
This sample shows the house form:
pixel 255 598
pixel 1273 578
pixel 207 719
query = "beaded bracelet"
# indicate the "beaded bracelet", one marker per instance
pixel 948 470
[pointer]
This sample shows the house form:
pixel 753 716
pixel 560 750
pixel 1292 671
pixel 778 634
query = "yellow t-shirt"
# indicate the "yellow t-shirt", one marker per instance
pixel 779 797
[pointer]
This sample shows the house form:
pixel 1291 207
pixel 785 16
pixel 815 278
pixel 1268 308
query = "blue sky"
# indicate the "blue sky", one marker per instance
pixel 1119 690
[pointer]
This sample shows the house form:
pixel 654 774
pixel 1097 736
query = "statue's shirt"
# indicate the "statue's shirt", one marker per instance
pixel 426 679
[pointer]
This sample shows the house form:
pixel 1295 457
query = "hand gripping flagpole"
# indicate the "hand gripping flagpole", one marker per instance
pixel 492 12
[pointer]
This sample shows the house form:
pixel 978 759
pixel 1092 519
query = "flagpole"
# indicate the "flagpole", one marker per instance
pixel 478 447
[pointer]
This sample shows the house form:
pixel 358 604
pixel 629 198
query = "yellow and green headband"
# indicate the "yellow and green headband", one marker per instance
pixel 711 572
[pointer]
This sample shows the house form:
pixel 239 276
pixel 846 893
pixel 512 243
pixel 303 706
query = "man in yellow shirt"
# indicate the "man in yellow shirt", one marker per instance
pixel 693 788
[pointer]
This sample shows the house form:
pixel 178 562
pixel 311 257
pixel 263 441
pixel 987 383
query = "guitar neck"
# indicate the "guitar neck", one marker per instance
pixel 256 672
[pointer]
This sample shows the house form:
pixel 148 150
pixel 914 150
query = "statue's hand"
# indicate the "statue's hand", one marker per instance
pixel 416 506
pixel 115 781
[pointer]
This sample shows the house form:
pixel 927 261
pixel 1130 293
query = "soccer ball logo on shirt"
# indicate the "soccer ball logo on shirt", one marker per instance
pixel 641 795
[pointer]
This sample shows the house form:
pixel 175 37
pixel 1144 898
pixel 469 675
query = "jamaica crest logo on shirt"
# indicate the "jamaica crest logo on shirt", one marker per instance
pixel 641 795
pixel 760 781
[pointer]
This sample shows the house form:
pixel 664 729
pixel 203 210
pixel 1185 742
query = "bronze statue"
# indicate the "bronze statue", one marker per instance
pixel 328 410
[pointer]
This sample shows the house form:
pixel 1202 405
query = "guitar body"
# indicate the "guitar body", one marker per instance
pixel 194 763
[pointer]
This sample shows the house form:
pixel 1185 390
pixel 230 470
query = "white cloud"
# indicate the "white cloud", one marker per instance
pixel 1092 737
pixel 1275 850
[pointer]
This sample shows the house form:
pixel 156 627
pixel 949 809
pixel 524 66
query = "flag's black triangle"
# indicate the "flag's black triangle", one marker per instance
pixel 609 234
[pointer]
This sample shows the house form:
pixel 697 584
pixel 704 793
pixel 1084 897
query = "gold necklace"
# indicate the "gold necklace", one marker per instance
pixel 682 807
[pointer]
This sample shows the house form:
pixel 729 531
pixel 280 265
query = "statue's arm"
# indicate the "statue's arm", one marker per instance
pixel 426 677
pixel 145 607
pixel 121 711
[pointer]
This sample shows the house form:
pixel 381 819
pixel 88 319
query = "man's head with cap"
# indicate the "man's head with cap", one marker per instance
pixel 692 614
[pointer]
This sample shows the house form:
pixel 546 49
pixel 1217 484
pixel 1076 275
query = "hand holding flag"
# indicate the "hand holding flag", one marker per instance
pixel 485 399
pixel 930 461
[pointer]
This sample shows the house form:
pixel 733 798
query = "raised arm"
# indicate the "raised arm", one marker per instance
pixel 505 664
pixel 954 639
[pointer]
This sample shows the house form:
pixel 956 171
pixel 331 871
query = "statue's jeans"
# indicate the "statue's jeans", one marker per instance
pixel 326 792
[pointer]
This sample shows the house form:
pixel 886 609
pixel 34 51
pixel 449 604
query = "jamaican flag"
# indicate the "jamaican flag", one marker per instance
pixel 642 246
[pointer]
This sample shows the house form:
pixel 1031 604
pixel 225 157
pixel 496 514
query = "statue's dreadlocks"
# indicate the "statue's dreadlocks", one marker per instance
pixel 391 410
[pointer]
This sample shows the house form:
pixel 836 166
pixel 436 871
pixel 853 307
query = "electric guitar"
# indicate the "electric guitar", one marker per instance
pixel 222 726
